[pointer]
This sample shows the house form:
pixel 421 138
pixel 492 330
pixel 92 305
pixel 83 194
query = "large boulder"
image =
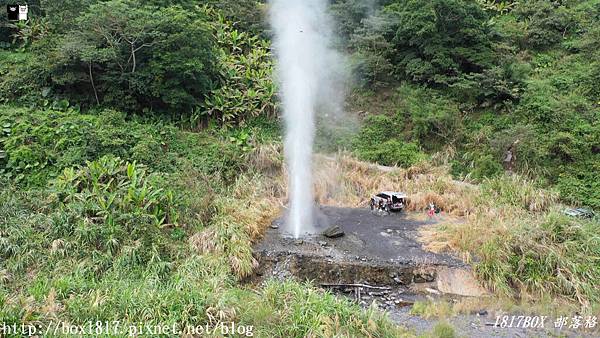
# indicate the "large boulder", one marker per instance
pixel 333 231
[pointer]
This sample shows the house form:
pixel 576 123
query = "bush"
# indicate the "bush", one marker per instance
pixel 38 144
pixel 394 152
pixel 379 141
pixel 23 77
pixel 246 88
pixel 434 120
pixel 245 15
pixel 486 167
pixel 114 207
pixel 548 22
pixel 581 185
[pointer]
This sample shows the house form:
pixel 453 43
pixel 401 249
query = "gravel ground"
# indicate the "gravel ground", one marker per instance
pixel 481 326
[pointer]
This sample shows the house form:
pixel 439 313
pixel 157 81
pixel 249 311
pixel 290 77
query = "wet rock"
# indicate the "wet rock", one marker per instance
pixel 362 255
pixel 333 231
pixel 274 226
pixel 401 302
pixel 424 278
pixel 298 242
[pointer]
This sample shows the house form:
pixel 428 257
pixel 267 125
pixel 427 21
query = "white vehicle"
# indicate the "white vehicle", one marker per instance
pixel 388 201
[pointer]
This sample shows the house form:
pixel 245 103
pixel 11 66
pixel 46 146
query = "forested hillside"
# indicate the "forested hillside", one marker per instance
pixel 140 150
pixel 474 78
pixel 470 78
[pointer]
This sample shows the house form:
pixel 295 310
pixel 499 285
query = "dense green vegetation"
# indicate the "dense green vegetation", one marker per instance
pixel 131 129
pixel 505 72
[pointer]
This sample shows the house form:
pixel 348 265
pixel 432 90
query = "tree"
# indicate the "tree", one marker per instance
pixel 134 56
pixel 437 41
pixel 548 22
pixel 434 42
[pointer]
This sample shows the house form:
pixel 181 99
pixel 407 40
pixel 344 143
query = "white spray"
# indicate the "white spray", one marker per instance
pixel 305 67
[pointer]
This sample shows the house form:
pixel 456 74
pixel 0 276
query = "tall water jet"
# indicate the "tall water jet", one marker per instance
pixel 302 30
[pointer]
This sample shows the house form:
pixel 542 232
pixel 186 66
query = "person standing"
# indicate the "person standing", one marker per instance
pixel 431 210
pixel 510 158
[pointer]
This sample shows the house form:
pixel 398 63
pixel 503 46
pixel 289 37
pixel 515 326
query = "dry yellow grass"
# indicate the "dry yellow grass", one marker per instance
pixel 342 181
pixel 345 181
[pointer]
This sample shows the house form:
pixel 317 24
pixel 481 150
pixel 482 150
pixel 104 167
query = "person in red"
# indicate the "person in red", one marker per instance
pixel 431 210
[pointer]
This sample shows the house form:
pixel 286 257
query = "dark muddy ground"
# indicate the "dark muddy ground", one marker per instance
pixel 378 260
pixel 369 236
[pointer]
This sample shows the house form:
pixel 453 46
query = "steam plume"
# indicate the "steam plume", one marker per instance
pixel 307 70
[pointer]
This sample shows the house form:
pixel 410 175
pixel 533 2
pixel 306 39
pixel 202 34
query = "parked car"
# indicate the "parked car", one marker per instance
pixel 579 212
pixel 388 201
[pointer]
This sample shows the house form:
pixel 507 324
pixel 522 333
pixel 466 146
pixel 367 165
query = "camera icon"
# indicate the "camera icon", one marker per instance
pixel 17 12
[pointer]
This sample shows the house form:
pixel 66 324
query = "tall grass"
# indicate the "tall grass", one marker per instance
pixel 522 245
pixel 46 275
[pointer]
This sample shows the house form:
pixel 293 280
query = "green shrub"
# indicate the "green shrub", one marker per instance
pixel 246 88
pixel 395 152
pixel 377 129
pixel 115 207
pixel 23 77
pixel 378 141
pixel 38 144
pixel 486 167
pixel 548 22
pixel 581 185
pixel 434 120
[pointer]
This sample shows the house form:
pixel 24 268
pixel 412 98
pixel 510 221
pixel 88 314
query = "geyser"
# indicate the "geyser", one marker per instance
pixel 305 62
